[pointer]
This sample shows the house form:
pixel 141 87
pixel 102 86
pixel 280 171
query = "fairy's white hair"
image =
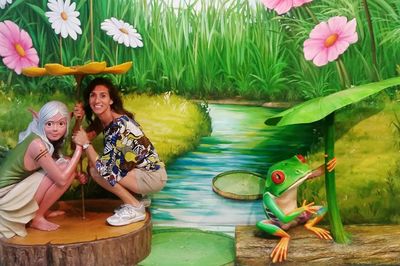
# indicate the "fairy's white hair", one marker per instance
pixel 37 125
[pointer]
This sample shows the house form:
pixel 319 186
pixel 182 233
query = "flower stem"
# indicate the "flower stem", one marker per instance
pixel 61 53
pixel 372 37
pixel 337 229
pixel 9 79
pixel 339 70
pixel 314 18
pixel 91 29
pixel 116 55
pixel 345 75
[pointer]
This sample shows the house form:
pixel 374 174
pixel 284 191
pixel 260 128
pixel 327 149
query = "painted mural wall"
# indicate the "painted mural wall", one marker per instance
pixel 258 51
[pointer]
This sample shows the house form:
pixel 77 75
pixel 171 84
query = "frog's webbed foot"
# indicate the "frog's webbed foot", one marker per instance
pixel 321 233
pixel 279 253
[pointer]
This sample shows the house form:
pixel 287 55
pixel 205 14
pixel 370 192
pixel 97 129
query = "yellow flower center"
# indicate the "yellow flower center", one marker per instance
pixel 64 16
pixel 20 50
pixel 331 40
pixel 123 30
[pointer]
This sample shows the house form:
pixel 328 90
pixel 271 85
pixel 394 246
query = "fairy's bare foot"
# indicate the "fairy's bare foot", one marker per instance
pixel 50 214
pixel 41 223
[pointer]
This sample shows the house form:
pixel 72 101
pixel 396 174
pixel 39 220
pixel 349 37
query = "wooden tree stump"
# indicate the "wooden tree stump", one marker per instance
pixel 79 241
pixel 371 245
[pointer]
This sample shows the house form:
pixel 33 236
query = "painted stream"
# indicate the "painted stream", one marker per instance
pixel 239 141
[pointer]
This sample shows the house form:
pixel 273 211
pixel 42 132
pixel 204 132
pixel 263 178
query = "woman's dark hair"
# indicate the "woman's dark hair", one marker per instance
pixel 116 106
pixel 58 146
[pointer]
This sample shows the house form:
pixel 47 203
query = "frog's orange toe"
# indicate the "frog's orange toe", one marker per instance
pixel 321 233
pixel 279 253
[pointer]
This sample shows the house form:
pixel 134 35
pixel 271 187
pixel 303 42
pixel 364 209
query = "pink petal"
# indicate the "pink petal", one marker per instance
pixel 341 46
pixel 297 3
pixel 32 56
pixel 350 39
pixel 5 31
pixel 6 47
pixel 349 33
pixel 333 54
pixel 13 31
pixel 11 61
pixel 283 7
pixel 6 51
pixel 25 40
pixel 321 58
pixel 18 68
pixel 26 62
pixel 312 48
pixel 350 27
pixel 336 24
pixel 271 4
pixel 321 31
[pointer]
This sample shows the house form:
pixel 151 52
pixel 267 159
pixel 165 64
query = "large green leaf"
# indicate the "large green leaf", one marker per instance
pixel 318 108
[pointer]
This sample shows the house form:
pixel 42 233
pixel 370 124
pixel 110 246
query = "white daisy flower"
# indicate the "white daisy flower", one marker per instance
pixel 3 3
pixel 122 32
pixel 64 18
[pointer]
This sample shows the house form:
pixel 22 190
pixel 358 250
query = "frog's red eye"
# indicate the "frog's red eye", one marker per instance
pixel 301 158
pixel 278 177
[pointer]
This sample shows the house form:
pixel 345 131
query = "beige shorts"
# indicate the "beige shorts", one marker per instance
pixel 150 181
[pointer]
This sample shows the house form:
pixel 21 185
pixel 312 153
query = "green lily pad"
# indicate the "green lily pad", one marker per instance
pixel 188 247
pixel 238 184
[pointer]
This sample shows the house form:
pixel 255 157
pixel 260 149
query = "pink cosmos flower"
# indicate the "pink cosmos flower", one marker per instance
pixel 16 47
pixel 330 39
pixel 283 6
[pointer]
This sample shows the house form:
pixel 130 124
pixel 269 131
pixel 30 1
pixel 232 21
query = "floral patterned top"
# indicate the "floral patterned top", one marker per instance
pixel 126 147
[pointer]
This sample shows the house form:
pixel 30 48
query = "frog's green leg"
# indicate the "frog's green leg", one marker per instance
pixel 279 253
pixel 310 225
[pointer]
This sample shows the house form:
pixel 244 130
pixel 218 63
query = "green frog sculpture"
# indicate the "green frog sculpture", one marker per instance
pixel 280 202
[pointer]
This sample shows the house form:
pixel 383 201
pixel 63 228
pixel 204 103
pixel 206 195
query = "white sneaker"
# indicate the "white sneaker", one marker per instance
pixel 127 214
pixel 146 201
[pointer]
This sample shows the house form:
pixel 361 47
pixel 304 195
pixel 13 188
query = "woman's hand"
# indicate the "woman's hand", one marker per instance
pixel 79 112
pixel 80 137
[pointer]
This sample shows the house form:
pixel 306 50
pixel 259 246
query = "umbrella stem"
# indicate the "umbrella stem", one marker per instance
pixel 337 229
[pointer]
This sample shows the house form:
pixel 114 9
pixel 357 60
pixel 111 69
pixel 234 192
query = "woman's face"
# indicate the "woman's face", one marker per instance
pixel 99 100
pixel 56 127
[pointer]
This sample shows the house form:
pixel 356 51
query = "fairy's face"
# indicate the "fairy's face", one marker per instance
pixel 56 127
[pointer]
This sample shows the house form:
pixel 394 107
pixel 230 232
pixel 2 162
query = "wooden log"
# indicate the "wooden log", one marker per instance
pixel 78 241
pixel 371 245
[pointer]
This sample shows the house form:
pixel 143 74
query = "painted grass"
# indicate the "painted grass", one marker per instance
pixel 214 52
pixel 368 170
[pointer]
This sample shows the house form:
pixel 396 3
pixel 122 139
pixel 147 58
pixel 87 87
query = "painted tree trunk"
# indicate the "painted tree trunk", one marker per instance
pixel 81 242
pixel 337 229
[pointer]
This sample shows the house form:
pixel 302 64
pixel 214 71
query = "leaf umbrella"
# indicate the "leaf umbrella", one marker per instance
pixel 324 108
